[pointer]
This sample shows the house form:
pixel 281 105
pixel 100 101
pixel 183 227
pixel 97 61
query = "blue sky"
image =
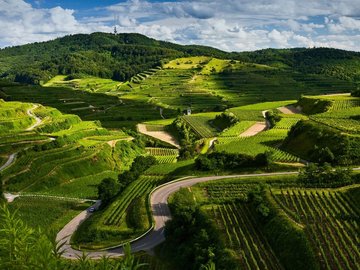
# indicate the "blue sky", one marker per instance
pixel 231 25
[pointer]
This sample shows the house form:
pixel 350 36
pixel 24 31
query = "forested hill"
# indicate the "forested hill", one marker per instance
pixel 122 56
pixel 342 64
pixel 99 54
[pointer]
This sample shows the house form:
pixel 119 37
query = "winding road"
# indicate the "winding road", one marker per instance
pixel 160 212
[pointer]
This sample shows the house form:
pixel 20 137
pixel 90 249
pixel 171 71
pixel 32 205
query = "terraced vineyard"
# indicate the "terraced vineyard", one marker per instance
pixel 344 120
pixel 163 155
pixel 252 249
pixel 331 219
pixel 237 129
pixel 257 144
pixel 200 125
pixel 115 214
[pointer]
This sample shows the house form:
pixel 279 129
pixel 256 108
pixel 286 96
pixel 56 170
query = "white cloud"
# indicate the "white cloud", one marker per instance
pixel 226 24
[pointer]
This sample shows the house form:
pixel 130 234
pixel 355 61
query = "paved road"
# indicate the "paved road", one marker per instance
pixel 160 212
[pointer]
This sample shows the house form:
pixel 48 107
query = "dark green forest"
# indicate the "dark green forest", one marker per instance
pixel 122 56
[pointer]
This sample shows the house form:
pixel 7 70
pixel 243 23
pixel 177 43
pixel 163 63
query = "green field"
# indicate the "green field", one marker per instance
pixel 328 216
pixel 76 128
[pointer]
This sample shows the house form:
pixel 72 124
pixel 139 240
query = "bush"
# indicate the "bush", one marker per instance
pixel 273 117
pixel 192 239
pixel 225 120
pixel 137 216
pixel 139 165
pixel 313 106
pixel 356 93
pixel 107 190
pixel 325 176
pixel 223 160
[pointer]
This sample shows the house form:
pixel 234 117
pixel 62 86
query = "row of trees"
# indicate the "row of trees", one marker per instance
pixel 325 176
pixel 227 161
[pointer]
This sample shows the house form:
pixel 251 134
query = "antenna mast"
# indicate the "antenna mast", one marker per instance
pixel 116 18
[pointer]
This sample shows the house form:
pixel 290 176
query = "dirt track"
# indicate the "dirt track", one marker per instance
pixel 289 110
pixel 160 135
pixel 254 129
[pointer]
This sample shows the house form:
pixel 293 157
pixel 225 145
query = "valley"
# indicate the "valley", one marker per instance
pixel 194 151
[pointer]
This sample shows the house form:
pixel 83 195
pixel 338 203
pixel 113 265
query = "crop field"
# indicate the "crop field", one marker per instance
pixel 224 201
pixel 260 143
pixel 200 125
pixel 85 131
pixel 71 168
pixel 344 120
pixel 115 214
pixel 331 224
pixel 165 169
pixel 237 129
pixel 84 187
pixel 47 213
pixel 251 248
pixel 90 84
pixel 14 117
pixel 111 225
pixel 163 155
pixel 111 111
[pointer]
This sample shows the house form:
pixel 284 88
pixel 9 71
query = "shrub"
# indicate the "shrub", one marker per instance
pixel 223 160
pixel 324 176
pixel 225 120
pixel 273 117
pixel 107 190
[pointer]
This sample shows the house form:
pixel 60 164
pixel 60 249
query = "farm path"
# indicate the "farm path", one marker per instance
pixel 8 162
pixel 160 135
pixel 37 119
pixel 257 127
pixel 254 129
pixel 290 109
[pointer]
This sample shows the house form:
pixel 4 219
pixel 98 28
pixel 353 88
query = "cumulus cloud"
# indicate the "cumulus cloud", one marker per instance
pixel 229 25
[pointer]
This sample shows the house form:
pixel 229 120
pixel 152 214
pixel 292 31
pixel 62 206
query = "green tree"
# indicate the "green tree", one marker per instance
pixel 107 190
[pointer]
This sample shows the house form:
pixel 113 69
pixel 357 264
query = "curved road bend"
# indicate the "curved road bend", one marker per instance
pixel 160 213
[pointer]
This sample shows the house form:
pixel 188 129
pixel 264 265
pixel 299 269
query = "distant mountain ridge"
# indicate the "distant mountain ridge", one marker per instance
pixel 122 56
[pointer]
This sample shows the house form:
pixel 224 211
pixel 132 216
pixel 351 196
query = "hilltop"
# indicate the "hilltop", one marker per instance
pixel 122 56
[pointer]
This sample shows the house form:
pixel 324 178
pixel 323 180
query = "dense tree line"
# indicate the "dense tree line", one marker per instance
pixel 192 240
pixel 337 63
pixel 227 161
pixel 325 176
